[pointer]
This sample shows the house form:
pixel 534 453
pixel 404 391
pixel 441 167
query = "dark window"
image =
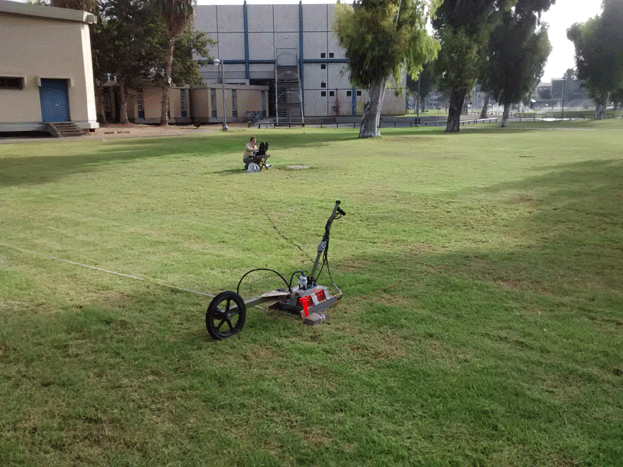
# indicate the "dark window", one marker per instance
pixel 213 102
pixel 359 93
pixel 183 105
pixel 323 55
pixel 330 54
pixel 323 93
pixel 7 82
pixel 331 93
pixel 323 66
pixel 323 85
pixel 349 93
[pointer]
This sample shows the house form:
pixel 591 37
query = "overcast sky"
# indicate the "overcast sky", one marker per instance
pixel 562 15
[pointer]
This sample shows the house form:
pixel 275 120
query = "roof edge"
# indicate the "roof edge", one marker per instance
pixel 49 12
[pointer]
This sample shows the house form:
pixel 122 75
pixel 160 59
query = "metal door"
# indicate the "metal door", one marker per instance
pixel 54 100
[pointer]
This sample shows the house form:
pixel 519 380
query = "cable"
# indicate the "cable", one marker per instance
pixel 284 237
pixel 262 269
pixel 108 271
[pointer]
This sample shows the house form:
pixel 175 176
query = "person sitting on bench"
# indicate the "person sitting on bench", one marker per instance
pixel 254 155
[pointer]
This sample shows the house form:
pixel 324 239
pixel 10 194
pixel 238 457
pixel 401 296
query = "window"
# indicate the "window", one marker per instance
pixel 349 93
pixel 331 93
pixel 107 101
pixel 359 93
pixel 213 102
pixel 323 85
pixel 139 105
pixel 323 55
pixel 323 66
pixel 330 54
pixel 7 82
pixel 183 104
pixel 323 93
pixel 263 103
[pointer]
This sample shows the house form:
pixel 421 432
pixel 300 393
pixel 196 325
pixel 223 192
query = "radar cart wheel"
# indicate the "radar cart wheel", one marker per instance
pixel 226 314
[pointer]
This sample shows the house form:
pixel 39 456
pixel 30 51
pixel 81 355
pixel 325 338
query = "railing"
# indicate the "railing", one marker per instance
pixel 412 122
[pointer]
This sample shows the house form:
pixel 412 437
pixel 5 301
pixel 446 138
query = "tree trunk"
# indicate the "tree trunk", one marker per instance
pixel 505 115
pixel 371 118
pixel 484 113
pixel 123 103
pixel 166 90
pixel 600 107
pixel 453 125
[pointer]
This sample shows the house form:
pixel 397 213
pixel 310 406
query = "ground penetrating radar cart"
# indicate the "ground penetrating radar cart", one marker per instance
pixel 227 311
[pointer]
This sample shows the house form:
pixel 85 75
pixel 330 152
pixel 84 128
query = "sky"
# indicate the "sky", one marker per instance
pixel 560 17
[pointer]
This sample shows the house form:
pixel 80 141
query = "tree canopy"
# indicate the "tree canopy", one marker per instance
pixel 424 82
pixel 517 53
pixel 463 28
pixel 380 37
pixel 599 53
pixel 130 42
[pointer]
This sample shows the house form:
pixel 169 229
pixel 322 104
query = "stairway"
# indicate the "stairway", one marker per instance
pixel 64 129
pixel 288 95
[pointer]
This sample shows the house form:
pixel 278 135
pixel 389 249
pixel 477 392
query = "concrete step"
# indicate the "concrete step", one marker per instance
pixel 64 129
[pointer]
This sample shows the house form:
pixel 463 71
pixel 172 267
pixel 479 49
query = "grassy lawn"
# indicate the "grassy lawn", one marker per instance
pixel 481 324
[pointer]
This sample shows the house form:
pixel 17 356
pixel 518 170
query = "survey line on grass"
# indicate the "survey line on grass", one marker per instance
pixel 108 271
pixel 434 268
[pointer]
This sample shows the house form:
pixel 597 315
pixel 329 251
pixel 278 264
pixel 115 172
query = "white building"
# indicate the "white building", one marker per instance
pixel 46 73
pixel 293 50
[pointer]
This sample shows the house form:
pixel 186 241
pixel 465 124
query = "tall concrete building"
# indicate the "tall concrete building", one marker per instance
pixel 293 50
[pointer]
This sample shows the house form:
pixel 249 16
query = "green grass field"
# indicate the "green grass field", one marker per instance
pixel 481 324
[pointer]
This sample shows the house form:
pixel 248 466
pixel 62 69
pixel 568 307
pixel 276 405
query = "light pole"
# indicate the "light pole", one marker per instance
pixel 564 85
pixel 218 63
pixel 418 100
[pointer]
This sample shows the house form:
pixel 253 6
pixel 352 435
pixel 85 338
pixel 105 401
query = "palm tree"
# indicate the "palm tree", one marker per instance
pixel 177 16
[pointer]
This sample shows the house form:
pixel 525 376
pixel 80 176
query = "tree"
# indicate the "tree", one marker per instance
pixel 126 43
pixel 463 28
pixel 423 83
pixel 599 53
pixel 545 93
pixel 188 46
pixel 84 5
pixel 130 42
pixel 177 15
pixel 380 37
pixel 617 98
pixel 518 50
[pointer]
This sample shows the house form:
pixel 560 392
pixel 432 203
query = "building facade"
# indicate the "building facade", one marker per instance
pixel 293 50
pixel 46 72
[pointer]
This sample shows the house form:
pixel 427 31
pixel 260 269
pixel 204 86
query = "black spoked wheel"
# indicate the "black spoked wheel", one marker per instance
pixel 226 314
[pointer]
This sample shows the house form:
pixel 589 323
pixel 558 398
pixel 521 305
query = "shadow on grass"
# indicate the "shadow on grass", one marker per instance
pixel 566 243
pixel 16 169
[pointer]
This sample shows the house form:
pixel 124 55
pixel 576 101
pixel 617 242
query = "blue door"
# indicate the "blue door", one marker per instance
pixel 54 100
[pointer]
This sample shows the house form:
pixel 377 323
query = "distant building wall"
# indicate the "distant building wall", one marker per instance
pixel 251 37
pixel 197 104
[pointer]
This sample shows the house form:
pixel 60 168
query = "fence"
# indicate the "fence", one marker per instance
pixel 388 124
